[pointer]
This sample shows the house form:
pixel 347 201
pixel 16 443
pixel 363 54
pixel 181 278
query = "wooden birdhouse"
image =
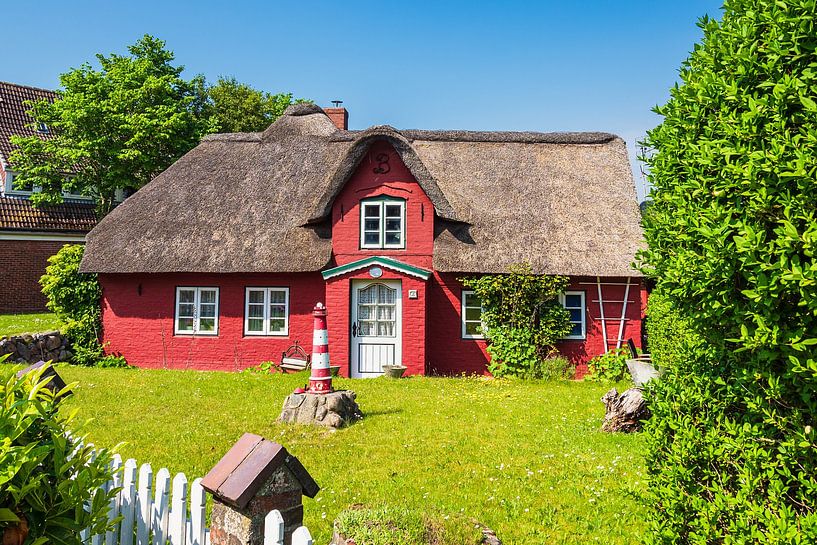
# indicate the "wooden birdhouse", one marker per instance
pixel 256 476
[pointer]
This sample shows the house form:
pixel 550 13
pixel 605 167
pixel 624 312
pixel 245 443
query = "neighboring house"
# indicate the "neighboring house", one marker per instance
pixel 29 235
pixel 219 261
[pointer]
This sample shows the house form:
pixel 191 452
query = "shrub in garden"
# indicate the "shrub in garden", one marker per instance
pixel 74 297
pixel 608 367
pixel 731 447
pixel 522 318
pixel 50 488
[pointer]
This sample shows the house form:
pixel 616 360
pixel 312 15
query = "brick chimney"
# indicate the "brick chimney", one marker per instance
pixel 339 116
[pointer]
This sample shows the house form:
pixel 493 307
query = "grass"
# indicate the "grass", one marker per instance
pixel 526 459
pixel 14 324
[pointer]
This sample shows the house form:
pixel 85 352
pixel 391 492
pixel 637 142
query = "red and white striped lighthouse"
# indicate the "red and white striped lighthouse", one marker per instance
pixel 320 381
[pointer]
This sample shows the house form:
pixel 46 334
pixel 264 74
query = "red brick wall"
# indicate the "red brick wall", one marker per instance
pixel 22 263
pixel 140 326
pixel 397 182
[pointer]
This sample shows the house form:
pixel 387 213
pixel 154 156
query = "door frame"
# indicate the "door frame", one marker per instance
pixel 354 341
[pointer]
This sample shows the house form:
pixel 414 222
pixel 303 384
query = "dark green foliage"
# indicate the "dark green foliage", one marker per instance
pixel 671 336
pixel 46 480
pixel 75 298
pixel 731 232
pixel 609 367
pixel 237 107
pixel 522 319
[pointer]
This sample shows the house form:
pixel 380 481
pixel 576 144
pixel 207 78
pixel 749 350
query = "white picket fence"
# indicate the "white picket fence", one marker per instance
pixel 162 512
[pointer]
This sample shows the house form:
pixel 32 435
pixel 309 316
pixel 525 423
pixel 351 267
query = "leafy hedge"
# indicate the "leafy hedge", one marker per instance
pixel 732 234
pixel 75 298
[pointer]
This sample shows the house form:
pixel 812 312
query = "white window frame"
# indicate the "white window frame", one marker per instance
pixel 563 301
pixel 381 203
pixel 10 190
pixel 266 331
pixel 196 311
pixel 465 334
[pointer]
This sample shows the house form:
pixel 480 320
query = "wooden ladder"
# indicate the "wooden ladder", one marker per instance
pixel 606 317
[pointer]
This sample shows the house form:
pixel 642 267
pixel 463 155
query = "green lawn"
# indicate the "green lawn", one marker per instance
pixel 526 459
pixel 14 324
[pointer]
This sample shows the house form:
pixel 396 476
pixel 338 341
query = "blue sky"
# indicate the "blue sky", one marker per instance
pixel 544 66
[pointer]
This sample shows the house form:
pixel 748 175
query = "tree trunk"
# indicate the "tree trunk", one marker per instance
pixel 625 412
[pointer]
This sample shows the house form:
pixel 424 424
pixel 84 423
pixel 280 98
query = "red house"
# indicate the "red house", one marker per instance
pixel 218 262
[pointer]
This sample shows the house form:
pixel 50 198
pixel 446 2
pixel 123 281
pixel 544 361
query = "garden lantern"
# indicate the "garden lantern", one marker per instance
pixel 320 381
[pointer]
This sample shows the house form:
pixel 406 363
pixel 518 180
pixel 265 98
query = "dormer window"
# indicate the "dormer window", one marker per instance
pixel 42 128
pixel 383 223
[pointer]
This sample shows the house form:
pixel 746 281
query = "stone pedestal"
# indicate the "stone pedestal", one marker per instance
pixel 333 410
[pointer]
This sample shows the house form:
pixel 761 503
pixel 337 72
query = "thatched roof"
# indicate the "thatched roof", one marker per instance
pixel 260 202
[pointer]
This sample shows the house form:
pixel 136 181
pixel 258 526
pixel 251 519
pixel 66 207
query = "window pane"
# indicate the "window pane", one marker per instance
pixel 393 211
pixel 256 311
pixel 574 301
pixel 277 311
pixel 256 296
pixel 371 211
pixel 387 295
pixel 277 325
pixel 385 313
pixel 473 314
pixel 385 329
pixel 392 238
pixel 187 296
pixel 207 311
pixel 208 296
pixel 577 330
pixel 575 315
pixel 207 324
pixel 371 238
pixel 277 296
pixel 255 324
pixel 473 328
pixel 371 224
pixel 471 299
pixel 365 328
pixel 185 324
pixel 186 310
pixel 393 224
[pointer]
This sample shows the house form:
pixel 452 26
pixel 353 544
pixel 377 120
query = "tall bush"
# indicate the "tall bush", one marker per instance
pixel 50 486
pixel 75 298
pixel 732 453
pixel 522 320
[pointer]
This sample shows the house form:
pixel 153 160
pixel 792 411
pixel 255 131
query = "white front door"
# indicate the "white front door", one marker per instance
pixel 376 326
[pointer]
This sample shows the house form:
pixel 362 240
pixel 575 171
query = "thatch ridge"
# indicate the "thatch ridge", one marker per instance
pixel 525 137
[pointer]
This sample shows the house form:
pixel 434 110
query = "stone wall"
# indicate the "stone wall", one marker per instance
pixel 31 348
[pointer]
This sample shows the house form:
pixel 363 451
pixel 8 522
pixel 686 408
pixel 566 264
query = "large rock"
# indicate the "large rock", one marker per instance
pixel 333 410
pixel 625 412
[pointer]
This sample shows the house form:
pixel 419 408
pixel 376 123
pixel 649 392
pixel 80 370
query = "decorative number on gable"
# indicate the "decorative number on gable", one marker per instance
pixel 382 163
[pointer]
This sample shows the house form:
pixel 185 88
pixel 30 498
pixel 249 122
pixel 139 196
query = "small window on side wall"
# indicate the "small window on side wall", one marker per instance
pixel 472 326
pixel 267 311
pixel 382 223
pixel 573 301
pixel 196 311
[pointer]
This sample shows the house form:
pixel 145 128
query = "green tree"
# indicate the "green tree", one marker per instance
pixel 113 128
pixel 732 452
pixel 237 107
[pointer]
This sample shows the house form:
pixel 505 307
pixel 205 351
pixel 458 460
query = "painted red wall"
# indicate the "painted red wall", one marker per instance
pixel 140 326
pixel 397 182
pixel 449 353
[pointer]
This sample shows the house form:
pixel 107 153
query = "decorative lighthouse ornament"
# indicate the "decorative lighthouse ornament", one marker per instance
pixel 320 381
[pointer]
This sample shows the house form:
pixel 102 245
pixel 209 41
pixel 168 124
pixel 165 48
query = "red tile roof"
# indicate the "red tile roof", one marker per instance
pixel 18 214
pixel 14 119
